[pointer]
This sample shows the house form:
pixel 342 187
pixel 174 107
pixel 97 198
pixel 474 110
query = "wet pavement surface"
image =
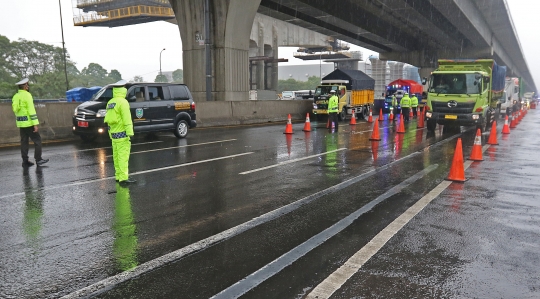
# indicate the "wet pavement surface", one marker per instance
pixel 246 211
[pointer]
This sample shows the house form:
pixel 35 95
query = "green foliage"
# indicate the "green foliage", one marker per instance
pixel 178 76
pixel 44 65
pixel 161 78
pixel 292 84
pixel 138 79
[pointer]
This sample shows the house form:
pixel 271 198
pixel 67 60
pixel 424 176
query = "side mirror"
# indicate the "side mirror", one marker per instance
pixel 424 81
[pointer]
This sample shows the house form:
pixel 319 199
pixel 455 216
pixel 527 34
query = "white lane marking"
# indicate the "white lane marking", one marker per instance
pixel 293 161
pixel 274 267
pixel 53 153
pixel 133 173
pixel 180 146
pixel 334 282
pixel 204 243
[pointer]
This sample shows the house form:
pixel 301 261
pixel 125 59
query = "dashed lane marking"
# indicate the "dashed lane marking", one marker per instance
pixel 180 146
pixel 133 174
pixel 293 161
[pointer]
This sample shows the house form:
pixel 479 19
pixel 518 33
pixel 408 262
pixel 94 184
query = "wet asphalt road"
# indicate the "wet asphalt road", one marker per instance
pixel 251 211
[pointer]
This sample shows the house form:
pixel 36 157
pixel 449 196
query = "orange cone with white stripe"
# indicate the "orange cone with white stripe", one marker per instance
pixel 381 117
pixel 375 134
pixel 353 118
pixel 457 171
pixel 476 153
pixel 288 127
pixel 391 114
pixel 505 129
pixel 370 118
pixel 307 125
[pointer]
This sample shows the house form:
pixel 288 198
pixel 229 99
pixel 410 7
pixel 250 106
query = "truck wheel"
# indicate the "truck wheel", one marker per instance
pixel 181 129
pixel 431 125
pixel 341 116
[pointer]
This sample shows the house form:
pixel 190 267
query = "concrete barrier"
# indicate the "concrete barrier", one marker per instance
pixel 56 118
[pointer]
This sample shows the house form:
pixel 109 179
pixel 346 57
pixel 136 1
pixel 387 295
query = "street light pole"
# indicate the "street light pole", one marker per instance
pixel 63 45
pixel 160 62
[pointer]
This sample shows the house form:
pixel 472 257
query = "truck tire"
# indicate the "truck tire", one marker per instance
pixel 181 129
pixel 341 116
pixel 431 125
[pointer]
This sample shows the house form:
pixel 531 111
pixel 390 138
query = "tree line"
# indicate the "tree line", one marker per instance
pixel 43 64
pixel 292 84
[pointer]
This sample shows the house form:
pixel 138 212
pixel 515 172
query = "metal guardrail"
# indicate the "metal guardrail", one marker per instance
pixel 83 3
pixel 132 11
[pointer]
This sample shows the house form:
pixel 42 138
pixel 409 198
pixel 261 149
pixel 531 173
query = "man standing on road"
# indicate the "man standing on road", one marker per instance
pixel 405 106
pixel 118 118
pixel 333 109
pixel 395 107
pixel 414 104
pixel 27 122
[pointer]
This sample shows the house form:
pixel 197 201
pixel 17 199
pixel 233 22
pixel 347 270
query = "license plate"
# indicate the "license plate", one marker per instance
pixel 82 124
pixel 450 116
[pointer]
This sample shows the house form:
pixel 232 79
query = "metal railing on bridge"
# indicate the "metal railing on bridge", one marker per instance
pixel 86 3
pixel 122 13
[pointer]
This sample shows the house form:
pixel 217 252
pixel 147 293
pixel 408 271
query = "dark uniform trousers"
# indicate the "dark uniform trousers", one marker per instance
pixel 28 133
pixel 405 111
pixel 333 119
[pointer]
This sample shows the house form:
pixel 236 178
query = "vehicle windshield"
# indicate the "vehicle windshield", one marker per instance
pixel 455 84
pixel 324 90
pixel 103 95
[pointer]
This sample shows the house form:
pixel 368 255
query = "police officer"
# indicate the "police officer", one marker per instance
pixel 27 122
pixel 395 104
pixel 118 118
pixel 333 109
pixel 414 104
pixel 405 106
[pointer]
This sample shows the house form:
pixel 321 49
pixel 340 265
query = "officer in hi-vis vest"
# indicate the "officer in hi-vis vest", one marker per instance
pixel 118 118
pixel 27 122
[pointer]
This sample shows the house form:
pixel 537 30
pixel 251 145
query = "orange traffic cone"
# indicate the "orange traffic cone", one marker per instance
pixel 328 122
pixel 375 133
pixel 411 115
pixel 381 117
pixel 420 115
pixel 370 118
pixel 493 134
pixel 457 171
pixel 307 125
pixel 401 127
pixel 513 122
pixel 391 114
pixel 375 150
pixel 288 127
pixel 476 153
pixel 353 118
pixel 505 129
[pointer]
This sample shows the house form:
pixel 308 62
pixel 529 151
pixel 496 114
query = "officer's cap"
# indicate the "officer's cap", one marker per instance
pixel 332 91
pixel 119 83
pixel 22 82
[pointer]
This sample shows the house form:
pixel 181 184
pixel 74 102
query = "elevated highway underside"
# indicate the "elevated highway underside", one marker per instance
pixel 413 31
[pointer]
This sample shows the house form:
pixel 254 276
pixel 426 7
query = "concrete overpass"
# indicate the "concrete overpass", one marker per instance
pixel 417 32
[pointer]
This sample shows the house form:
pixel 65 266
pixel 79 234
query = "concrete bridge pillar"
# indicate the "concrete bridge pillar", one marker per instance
pixel 260 53
pixel 231 23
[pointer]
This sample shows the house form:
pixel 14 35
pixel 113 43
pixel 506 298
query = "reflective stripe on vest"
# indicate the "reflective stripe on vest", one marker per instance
pixel 119 135
pixel 22 118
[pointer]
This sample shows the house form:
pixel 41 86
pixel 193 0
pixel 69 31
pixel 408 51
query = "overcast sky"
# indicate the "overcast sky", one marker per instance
pixel 134 50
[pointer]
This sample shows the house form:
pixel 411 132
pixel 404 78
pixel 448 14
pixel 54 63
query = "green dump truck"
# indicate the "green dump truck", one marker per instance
pixel 465 92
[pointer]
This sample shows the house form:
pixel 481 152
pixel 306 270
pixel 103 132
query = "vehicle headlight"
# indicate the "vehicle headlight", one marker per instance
pixel 75 112
pixel 475 116
pixel 429 114
pixel 101 113
pixel 314 106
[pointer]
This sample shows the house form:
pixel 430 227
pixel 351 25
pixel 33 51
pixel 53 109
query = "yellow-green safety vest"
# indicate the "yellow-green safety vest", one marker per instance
pixel 333 104
pixel 405 102
pixel 23 107
pixel 414 101
pixel 118 116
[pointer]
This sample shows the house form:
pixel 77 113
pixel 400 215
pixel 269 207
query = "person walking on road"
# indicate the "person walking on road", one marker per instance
pixel 405 106
pixel 118 118
pixel 27 122
pixel 414 104
pixel 333 109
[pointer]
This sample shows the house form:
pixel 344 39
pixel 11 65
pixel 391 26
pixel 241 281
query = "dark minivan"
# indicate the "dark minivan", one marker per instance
pixel 154 107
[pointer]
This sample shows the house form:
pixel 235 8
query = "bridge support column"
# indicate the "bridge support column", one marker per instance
pixel 231 23
pixel 275 47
